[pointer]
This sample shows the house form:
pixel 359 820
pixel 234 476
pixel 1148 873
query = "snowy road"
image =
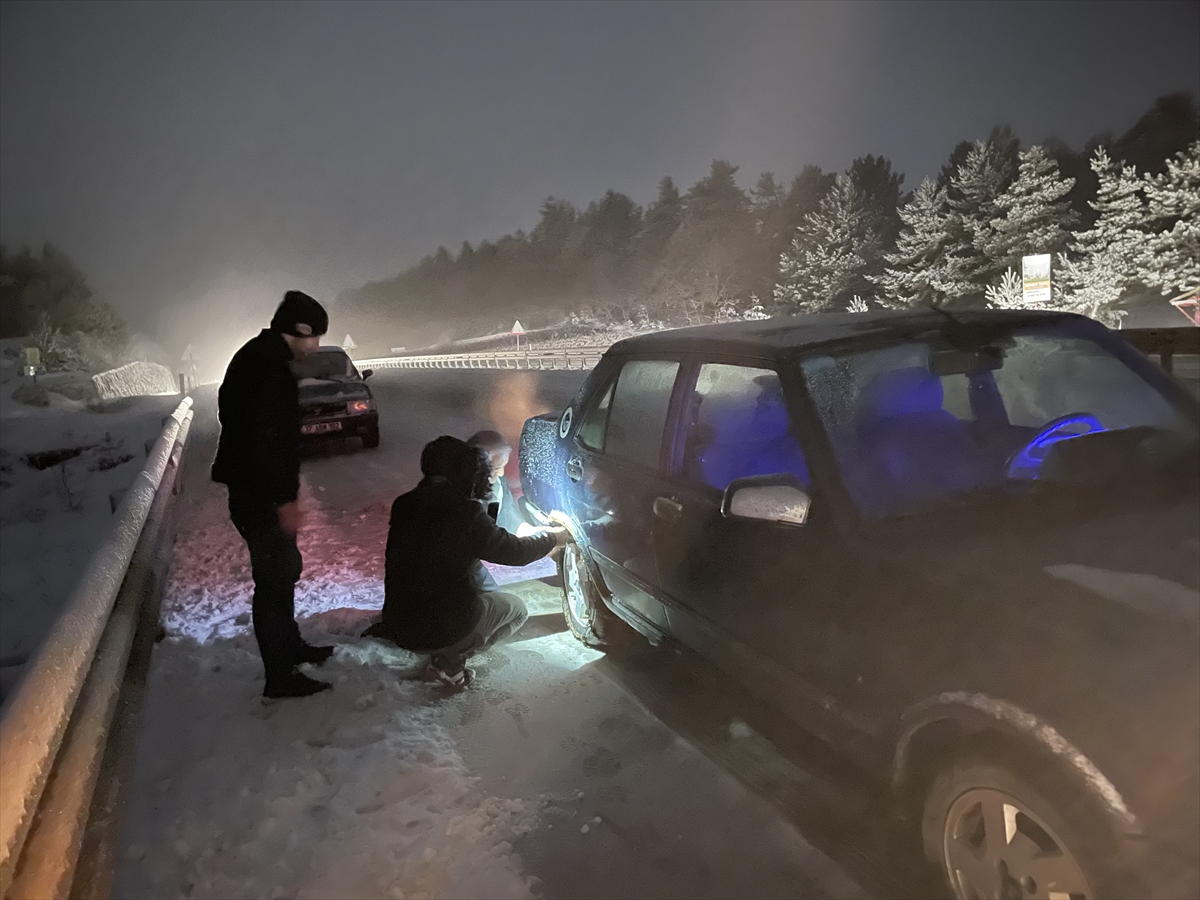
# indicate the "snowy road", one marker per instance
pixel 561 773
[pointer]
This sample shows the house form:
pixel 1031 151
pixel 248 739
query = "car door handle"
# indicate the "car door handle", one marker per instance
pixel 667 509
pixel 575 469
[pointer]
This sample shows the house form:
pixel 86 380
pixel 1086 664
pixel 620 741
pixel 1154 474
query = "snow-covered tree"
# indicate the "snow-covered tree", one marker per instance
pixel 830 254
pixel 756 311
pixel 1170 257
pixel 975 188
pixel 919 257
pixel 1034 215
pixel 857 305
pixel 1008 293
pixel 1105 256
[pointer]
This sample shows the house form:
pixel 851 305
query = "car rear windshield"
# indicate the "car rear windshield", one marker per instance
pixel 921 422
pixel 325 366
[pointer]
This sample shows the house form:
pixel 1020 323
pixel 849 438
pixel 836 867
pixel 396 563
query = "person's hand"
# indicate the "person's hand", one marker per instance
pixel 291 517
pixel 561 537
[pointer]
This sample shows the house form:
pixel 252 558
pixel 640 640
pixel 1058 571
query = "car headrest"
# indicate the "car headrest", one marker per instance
pixel 901 392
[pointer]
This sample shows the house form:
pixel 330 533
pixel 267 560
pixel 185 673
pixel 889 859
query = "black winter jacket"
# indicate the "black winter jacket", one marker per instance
pixel 259 406
pixel 436 538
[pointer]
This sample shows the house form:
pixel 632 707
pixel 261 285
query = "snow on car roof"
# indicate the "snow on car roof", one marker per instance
pixel 792 332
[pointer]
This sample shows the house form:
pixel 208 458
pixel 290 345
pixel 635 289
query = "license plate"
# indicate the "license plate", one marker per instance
pixel 320 427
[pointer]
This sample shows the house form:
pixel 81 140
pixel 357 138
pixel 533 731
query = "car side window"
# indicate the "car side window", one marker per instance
pixel 738 426
pixel 637 413
pixel 591 429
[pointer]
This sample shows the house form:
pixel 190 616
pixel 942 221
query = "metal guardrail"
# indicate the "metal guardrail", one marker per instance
pixel 55 729
pixel 1164 342
pixel 576 358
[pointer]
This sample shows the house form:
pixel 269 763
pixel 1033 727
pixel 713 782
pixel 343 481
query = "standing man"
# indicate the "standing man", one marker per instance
pixel 258 457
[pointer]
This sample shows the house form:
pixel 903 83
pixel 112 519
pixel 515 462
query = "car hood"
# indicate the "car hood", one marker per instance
pixel 1092 624
pixel 318 391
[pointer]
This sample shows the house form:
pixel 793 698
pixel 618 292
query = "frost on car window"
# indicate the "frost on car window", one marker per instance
pixel 1045 377
pixel 639 410
pixel 739 426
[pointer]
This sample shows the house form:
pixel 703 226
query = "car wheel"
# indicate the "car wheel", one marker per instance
pixel 593 623
pixel 370 438
pixel 994 834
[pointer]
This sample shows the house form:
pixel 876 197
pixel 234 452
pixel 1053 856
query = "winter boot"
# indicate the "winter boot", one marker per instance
pixel 450 671
pixel 315 655
pixel 293 684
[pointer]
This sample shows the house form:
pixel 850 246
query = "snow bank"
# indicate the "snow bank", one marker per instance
pixel 51 518
pixel 135 379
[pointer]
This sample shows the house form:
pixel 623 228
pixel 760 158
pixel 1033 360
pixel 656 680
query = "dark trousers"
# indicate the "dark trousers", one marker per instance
pixel 276 564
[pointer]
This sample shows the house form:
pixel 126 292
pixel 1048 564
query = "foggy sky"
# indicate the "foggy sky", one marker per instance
pixel 198 159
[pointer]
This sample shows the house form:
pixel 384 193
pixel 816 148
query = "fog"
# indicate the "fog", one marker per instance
pixel 196 160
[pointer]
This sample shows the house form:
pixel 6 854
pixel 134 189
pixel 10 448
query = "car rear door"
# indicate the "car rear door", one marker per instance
pixel 616 464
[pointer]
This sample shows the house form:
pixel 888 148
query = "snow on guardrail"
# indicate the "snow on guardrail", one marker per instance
pixel 577 358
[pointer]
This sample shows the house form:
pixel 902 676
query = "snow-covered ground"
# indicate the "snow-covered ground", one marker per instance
pixel 544 779
pixel 52 517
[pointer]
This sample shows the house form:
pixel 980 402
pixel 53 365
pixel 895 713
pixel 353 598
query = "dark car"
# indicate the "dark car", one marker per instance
pixel 964 549
pixel 334 398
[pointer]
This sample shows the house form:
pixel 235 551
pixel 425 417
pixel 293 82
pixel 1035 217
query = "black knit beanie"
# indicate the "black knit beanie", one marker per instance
pixel 300 315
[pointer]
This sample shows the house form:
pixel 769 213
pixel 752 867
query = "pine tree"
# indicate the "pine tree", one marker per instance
pixel 1008 294
pixel 662 218
pixel 918 261
pixel 833 247
pixel 1105 256
pixel 857 305
pixel 1034 213
pixel 1170 257
pixel 974 190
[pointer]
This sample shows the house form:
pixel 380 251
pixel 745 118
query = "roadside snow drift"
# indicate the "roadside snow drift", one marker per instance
pixel 135 379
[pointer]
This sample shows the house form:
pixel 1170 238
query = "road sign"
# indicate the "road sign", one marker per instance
pixel 517 328
pixel 189 355
pixel 1035 278
pixel 348 343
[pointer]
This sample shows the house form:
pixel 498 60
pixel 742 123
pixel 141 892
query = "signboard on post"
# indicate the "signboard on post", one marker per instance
pixel 517 330
pixel 1035 278
pixel 187 378
pixel 348 344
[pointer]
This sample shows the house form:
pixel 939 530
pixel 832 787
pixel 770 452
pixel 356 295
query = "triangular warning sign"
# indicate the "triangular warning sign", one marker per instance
pixel 189 354
pixel 348 343
pixel 517 328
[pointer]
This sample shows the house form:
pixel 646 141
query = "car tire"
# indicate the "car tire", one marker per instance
pixel 589 619
pixel 996 832
pixel 370 438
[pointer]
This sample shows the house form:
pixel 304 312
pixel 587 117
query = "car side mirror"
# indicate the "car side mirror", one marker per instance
pixel 367 374
pixel 767 498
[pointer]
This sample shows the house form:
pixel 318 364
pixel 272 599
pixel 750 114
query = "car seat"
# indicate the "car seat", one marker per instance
pixel 910 448
pixel 753 442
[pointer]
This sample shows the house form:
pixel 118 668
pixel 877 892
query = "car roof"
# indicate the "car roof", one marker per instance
pixel 785 333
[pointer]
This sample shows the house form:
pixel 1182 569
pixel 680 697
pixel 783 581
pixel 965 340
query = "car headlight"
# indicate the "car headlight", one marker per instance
pixel 359 406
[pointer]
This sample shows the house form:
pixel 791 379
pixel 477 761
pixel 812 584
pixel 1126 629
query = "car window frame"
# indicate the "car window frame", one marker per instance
pixel 608 383
pixel 673 467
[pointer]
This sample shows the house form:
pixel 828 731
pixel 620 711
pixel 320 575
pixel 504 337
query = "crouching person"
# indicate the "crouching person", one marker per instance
pixel 434 601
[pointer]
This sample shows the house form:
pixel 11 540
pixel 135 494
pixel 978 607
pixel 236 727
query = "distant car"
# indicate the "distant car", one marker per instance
pixel 334 398
pixel 964 549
